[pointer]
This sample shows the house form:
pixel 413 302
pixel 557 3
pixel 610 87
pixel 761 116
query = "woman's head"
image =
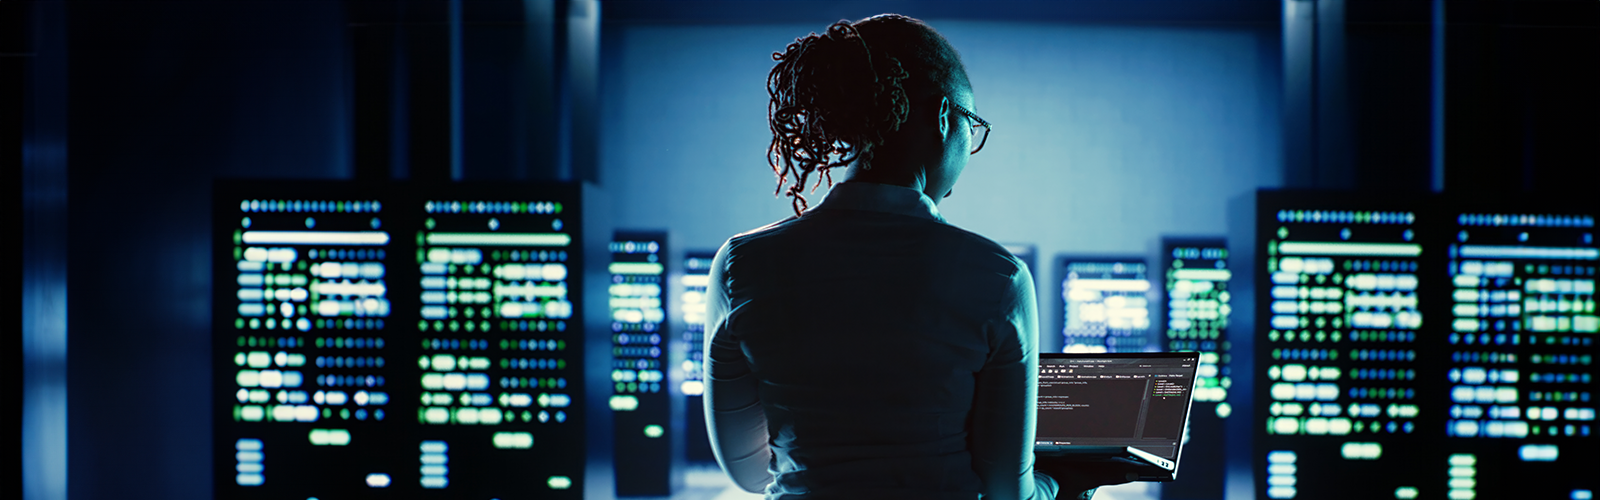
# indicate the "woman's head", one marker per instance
pixel 846 96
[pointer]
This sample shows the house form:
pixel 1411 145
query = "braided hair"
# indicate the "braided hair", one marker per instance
pixel 834 96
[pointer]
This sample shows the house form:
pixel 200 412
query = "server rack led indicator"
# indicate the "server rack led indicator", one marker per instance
pixel 495 306
pixel 1339 310
pixel 1522 330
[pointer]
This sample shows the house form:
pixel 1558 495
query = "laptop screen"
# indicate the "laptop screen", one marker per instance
pixel 1115 400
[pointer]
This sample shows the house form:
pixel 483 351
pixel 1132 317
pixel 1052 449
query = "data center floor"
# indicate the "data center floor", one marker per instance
pixel 707 482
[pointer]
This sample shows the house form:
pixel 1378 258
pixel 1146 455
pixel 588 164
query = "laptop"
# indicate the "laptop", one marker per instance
pixel 1117 407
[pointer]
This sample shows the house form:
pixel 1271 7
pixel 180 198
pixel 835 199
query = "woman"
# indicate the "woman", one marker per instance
pixel 865 348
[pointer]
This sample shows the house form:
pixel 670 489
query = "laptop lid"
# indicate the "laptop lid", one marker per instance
pixel 1103 403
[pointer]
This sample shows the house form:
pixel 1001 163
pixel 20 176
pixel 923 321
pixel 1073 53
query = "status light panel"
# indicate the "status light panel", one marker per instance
pixel 1199 299
pixel 1338 367
pixel 637 317
pixel 307 310
pixel 1198 304
pixel 496 314
pixel 498 341
pixel 1435 347
pixel 390 344
pixel 1106 305
pixel 692 306
pixel 641 394
pixel 696 277
pixel 1521 350
pixel 1523 326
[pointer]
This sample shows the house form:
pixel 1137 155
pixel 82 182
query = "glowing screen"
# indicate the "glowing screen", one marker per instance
pixel 1521 349
pixel 1198 304
pixel 1339 365
pixel 1106 305
pixel 1434 347
pixel 1198 298
pixel 639 342
pixel 692 308
pixel 372 341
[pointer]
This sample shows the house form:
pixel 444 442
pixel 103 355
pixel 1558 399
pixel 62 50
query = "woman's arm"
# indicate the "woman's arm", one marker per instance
pixel 736 422
pixel 1003 407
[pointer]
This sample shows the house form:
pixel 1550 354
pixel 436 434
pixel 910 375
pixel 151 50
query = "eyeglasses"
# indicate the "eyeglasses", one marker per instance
pixel 980 128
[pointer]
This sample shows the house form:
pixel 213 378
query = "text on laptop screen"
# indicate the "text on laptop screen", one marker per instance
pixel 1115 401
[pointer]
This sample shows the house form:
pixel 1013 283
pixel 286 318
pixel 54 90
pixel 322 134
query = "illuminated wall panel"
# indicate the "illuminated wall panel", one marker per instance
pixel 1106 305
pixel 692 311
pixel 1198 302
pixel 1339 371
pixel 373 342
pixel 641 396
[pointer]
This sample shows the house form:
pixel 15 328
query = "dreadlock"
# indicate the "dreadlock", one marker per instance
pixel 831 102
pixel 836 96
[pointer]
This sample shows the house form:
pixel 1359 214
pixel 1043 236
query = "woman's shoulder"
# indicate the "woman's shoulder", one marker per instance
pixel 766 230
pixel 978 247
pixel 754 238
pixel 934 235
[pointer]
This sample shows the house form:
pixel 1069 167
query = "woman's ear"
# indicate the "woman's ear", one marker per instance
pixel 944 118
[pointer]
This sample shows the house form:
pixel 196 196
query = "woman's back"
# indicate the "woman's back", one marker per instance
pixel 865 348
pixel 870 324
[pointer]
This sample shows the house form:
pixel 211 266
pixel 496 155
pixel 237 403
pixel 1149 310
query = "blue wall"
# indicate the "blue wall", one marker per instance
pixel 1105 137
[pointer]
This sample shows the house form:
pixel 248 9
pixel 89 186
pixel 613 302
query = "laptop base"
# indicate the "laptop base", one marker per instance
pixel 1145 466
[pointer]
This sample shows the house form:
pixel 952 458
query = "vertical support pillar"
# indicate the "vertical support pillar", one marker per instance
pixel 540 111
pixel 1332 144
pixel 453 20
pixel 1436 131
pixel 1316 121
pixel 1299 93
pixel 425 31
pixel 404 79
pixel 40 107
pixel 375 88
pixel 581 107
